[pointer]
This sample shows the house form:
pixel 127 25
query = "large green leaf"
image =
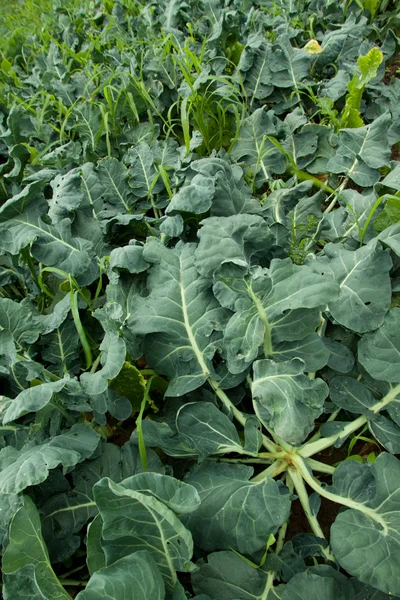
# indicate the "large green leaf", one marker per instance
pixel 20 469
pixel 270 307
pixel 105 187
pixel 31 400
pixel 318 582
pixel 235 513
pixel 227 576
pixel 179 317
pixel 135 519
pixel 364 280
pixel 64 514
pixel 253 149
pixel 133 577
pixel 21 223
pixel 362 151
pixel 239 237
pixel 289 65
pixel 285 399
pixel 379 351
pixel 26 547
pixel 366 539
pixel 112 359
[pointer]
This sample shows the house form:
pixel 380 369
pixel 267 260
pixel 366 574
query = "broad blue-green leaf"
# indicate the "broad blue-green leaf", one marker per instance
pixel 364 280
pixel 31 400
pixel 257 76
pixel 31 465
pixel 362 151
pixel 289 65
pixel 133 577
pixel 106 189
pixel 319 582
pixel 341 358
pixel 195 197
pixel 352 395
pixel 135 520
pixel 21 223
pixel 270 307
pixel 180 317
pixel 142 172
pixel 391 237
pixel 227 576
pixel 208 429
pixel 235 513
pixel 127 258
pixel 67 195
pixel 253 149
pixel 113 357
pixel 26 547
pixel 95 557
pixel 61 349
pixel 64 514
pixel 217 186
pixel 311 350
pixel 23 579
pixel 379 351
pixel 374 523
pixel 176 495
pixel 20 325
pixel 239 237
pixel 285 399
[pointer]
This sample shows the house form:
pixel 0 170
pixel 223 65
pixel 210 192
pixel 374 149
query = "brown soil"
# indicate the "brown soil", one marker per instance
pixel 391 70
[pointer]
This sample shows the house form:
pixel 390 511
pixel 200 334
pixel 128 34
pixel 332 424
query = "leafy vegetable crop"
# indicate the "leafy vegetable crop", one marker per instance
pixel 199 311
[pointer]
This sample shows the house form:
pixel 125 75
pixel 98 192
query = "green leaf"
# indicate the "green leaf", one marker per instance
pixel 25 526
pixel 341 358
pixel 390 214
pixel 255 151
pixel 22 581
pixel 235 513
pixel 31 400
pixel 379 351
pixel 113 357
pixel 362 151
pixel 290 65
pixel 368 66
pixel 179 317
pixel 61 348
pixel 29 466
pixel 127 258
pixel 271 307
pixel 375 524
pixel 318 582
pixel 208 429
pixel 95 557
pixel 285 400
pixel 226 576
pixel 364 280
pixel 137 520
pixel 21 223
pixel 133 577
pixel 237 238
pixel 105 187
pixel 130 383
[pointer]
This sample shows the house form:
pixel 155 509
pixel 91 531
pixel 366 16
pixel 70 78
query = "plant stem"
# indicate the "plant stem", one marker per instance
pixel 239 416
pixel 316 465
pixel 277 467
pixel 313 447
pixel 302 495
pixel 317 487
